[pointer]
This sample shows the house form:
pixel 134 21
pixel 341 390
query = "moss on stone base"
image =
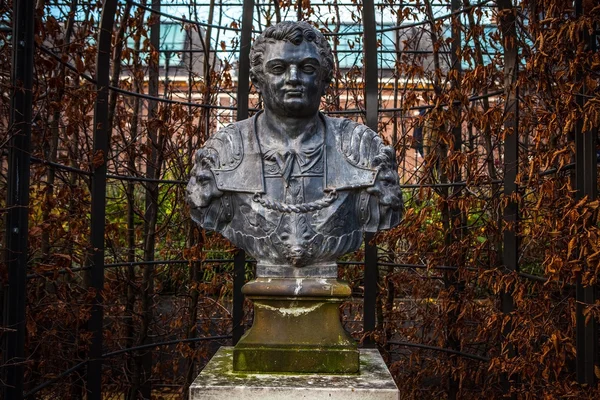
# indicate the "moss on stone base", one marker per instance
pixel 296 328
pixel 303 360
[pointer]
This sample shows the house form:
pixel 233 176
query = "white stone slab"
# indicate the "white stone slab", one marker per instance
pixel 218 382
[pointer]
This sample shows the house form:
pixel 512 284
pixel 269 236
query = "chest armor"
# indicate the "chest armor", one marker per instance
pixel 295 209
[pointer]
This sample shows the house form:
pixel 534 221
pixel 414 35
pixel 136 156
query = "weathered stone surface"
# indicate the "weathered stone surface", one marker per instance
pixel 283 337
pixel 218 381
pixel 296 189
pixel 290 287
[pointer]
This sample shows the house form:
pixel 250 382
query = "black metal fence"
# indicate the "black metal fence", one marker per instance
pixel 20 161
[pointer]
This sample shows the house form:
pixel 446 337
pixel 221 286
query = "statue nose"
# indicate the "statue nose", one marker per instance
pixel 293 74
pixel 296 251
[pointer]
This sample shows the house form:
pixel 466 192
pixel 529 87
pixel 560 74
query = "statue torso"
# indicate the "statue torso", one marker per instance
pixel 294 208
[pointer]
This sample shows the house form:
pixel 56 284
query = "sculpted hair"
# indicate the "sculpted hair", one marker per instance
pixel 293 32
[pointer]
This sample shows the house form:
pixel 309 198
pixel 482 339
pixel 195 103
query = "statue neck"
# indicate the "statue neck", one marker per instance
pixel 288 129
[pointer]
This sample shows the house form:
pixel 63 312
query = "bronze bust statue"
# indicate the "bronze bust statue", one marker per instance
pixel 294 188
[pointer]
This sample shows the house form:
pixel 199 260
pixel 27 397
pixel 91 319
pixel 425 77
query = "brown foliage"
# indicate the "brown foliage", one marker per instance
pixel 448 293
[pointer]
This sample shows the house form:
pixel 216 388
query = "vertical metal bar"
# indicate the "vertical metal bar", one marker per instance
pixel 17 202
pixel 207 69
pixel 243 90
pixel 590 189
pixel 370 279
pixel 456 68
pixel 579 151
pixel 511 243
pixel 580 331
pixel 457 218
pixel 244 64
pixel 299 13
pixel 151 203
pixel 371 104
pixel 239 269
pixel 511 147
pixel 370 57
pixel 510 252
pixel 586 175
pixel 98 193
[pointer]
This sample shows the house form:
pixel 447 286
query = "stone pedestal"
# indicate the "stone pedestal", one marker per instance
pixel 296 328
pixel 218 381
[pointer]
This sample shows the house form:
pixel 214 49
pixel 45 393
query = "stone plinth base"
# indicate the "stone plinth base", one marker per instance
pixel 296 328
pixel 218 381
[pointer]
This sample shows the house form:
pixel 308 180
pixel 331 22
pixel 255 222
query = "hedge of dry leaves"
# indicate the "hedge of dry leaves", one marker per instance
pixel 442 275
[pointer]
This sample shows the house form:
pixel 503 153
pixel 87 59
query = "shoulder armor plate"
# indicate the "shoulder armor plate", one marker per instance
pixel 227 144
pixel 240 162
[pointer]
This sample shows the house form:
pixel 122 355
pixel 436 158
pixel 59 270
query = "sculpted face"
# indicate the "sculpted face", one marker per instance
pixel 202 188
pixel 387 189
pixel 292 82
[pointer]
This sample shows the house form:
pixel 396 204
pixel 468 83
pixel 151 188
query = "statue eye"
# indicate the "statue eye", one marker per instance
pixel 277 69
pixel 309 69
pixel 203 176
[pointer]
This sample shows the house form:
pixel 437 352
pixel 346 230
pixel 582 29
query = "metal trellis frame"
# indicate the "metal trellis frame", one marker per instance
pixel 20 160
pixel 371 270
pixel 17 201
pixel 243 91
pixel 586 180
pixel 98 207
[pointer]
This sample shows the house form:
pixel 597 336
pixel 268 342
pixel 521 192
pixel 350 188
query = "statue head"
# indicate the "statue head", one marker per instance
pixel 295 33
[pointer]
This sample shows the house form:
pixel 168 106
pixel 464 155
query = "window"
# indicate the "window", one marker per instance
pixel 350 47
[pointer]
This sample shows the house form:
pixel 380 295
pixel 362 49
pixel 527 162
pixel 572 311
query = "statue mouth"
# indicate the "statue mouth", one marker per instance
pixel 294 92
pixel 296 261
